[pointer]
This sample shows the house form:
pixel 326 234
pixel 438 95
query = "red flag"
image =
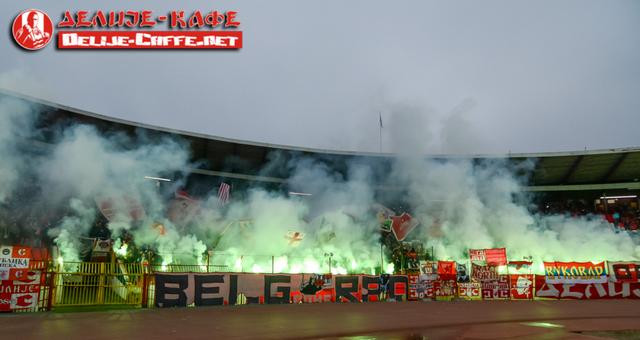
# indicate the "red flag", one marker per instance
pixel 402 225
pixel 447 270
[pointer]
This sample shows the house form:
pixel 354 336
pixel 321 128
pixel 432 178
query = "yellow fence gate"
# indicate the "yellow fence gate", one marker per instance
pixel 98 283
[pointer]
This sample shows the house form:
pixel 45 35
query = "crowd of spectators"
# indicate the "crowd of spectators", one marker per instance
pixel 621 213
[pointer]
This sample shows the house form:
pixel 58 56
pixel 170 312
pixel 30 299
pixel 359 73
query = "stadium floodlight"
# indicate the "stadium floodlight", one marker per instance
pixel 299 193
pixel 617 197
pixel 157 178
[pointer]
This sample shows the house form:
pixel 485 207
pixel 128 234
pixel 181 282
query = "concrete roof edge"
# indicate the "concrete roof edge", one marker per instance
pixel 305 149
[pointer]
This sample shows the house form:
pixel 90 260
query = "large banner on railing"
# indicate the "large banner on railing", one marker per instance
pixel 470 290
pixel 12 259
pixel 18 295
pixel 624 271
pixel 447 270
pixel 483 273
pixel 496 289
pixel 20 278
pixel 584 291
pixel 424 286
pixel 575 272
pixel 183 289
pixel 521 286
pixel 445 290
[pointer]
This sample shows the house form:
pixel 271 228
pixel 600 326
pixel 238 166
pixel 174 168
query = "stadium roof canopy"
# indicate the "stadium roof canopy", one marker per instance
pixel 599 170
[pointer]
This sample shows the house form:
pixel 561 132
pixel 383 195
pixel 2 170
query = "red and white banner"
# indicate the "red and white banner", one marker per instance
pixel 25 276
pixel 22 291
pixel 521 286
pixel 444 289
pixel 496 290
pixel 429 270
pixel 624 271
pixel 470 290
pixel 413 287
pixel 582 291
pixel 496 256
pixel 493 256
pixel 17 252
pixel 483 273
pixel 575 272
pixel 11 258
pixel 424 287
pixel 9 302
pixel 477 256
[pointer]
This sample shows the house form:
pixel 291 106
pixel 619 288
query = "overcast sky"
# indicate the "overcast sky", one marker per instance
pixel 447 76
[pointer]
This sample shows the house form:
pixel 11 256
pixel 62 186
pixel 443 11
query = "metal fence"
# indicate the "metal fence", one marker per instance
pixel 98 283
pixel 72 284
pixel 225 262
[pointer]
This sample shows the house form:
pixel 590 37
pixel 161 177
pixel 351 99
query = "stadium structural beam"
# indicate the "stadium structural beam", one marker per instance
pixel 237 176
pixel 534 188
pixel 572 169
pixel 614 167
pixel 584 187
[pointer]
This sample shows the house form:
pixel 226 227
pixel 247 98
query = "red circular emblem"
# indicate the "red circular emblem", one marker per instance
pixel 32 29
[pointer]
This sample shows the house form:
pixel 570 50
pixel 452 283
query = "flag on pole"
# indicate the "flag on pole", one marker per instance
pixel 381 126
pixel 223 193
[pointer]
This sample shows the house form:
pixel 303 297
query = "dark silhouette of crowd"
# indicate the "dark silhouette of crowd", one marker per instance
pixel 621 213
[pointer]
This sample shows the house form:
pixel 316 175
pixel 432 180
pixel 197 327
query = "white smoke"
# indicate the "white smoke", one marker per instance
pixel 89 166
pixel 16 120
pixel 478 208
pixel 461 204
pixel 70 234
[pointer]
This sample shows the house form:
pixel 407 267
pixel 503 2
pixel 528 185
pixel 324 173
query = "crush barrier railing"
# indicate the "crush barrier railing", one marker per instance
pixel 98 283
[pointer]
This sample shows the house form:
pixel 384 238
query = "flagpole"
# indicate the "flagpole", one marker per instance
pixel 380 129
